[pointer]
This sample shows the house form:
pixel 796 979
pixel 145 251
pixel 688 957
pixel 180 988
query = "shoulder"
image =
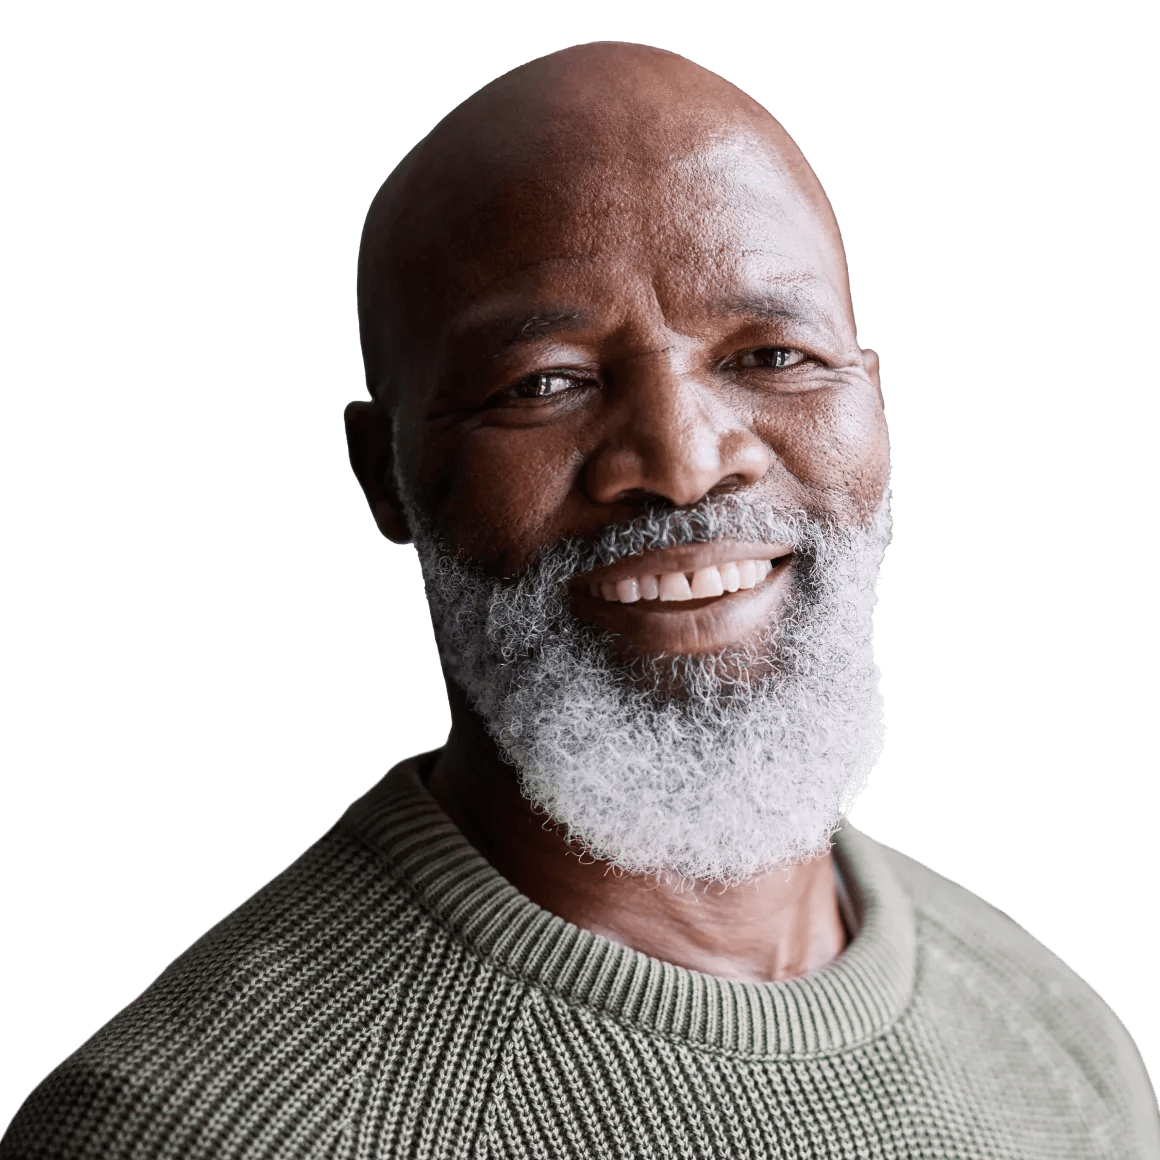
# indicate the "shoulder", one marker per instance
pixel 987 936
pixel 307 1023
pixel 252 1032
pixel 995 960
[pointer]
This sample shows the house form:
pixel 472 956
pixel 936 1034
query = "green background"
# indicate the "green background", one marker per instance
pixel 208 651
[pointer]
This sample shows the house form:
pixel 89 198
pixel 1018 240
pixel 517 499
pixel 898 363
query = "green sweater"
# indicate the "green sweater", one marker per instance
pixel 390 995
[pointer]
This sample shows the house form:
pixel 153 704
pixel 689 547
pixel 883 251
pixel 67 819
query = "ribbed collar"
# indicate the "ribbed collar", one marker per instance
pixel 847 1003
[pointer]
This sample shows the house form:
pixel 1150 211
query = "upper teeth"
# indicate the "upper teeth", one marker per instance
pixel 711 581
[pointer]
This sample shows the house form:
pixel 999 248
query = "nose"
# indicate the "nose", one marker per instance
pixel 671 435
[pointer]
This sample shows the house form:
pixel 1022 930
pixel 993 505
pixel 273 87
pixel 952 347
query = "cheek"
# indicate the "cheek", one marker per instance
pixel 502 493
pixel 835 443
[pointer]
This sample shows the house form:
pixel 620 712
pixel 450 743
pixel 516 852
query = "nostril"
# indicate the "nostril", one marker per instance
pixel 642 497
pixel 731 483
pixel 658 503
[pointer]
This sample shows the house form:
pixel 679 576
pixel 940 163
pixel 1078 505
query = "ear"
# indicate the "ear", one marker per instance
pixel 368 440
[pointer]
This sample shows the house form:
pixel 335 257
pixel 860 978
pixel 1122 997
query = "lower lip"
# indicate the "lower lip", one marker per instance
pixel 690 626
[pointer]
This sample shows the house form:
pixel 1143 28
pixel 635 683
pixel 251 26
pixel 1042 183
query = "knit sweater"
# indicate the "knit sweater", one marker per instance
pixel 391 995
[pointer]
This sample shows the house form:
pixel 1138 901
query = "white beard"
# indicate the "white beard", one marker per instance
pixel 713 768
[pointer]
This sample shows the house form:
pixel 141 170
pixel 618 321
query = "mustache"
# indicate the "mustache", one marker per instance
pixel 734 516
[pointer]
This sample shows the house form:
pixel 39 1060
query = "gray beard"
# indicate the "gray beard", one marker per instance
pixel 712 768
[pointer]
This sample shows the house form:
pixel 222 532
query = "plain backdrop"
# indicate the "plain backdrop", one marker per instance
pixel 208 651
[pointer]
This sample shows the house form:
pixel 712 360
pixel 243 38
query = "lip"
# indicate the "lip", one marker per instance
pixel 707 625
pixel 687 558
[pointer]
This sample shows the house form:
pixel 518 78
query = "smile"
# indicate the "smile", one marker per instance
pixel 692 599
pixel 691 572
pixel 712 580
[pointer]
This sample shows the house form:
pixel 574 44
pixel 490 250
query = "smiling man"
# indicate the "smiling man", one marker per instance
pixel 619 406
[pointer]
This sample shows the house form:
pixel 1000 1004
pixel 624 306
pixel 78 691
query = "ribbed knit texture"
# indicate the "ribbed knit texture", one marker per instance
pixel 390 995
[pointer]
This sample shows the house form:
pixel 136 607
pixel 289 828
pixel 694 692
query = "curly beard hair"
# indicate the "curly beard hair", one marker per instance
pixel 699 767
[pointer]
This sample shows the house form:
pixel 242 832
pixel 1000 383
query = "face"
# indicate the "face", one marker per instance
pixel 600 352
pixel 633 383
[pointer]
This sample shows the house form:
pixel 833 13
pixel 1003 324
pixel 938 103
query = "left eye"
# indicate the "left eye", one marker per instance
pixel 542 386
pixel 771 356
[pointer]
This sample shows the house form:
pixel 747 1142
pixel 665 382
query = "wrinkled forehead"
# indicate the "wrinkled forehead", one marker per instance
pixel 692 222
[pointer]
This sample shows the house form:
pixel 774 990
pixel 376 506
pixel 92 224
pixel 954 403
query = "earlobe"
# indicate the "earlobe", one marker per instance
pixel 369 444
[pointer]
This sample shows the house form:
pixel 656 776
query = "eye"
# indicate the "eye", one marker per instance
pixel 774 357
pixel 544 386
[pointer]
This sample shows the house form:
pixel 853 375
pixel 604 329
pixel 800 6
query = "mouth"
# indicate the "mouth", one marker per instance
pixel 695 598
pixel 693 572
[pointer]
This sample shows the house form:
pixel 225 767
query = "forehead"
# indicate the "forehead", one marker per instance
pixel 701 232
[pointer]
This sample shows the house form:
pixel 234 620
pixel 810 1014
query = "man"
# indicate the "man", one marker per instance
pixel 620 409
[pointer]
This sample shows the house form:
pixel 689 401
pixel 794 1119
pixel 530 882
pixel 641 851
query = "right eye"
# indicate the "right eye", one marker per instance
pixel 544 386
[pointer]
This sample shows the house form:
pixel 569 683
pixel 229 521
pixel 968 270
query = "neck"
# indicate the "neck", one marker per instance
pixel 774 926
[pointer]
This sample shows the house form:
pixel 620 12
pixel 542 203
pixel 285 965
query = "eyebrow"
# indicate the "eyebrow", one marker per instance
pixel 769 309
pixel 544 322
pixel 785 304
pixel 497 332
pixel 501 331
pixel 790 302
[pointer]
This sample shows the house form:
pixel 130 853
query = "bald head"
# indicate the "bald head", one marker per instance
pixel 613 140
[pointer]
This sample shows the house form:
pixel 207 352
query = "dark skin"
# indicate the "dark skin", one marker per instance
pixel 609 280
